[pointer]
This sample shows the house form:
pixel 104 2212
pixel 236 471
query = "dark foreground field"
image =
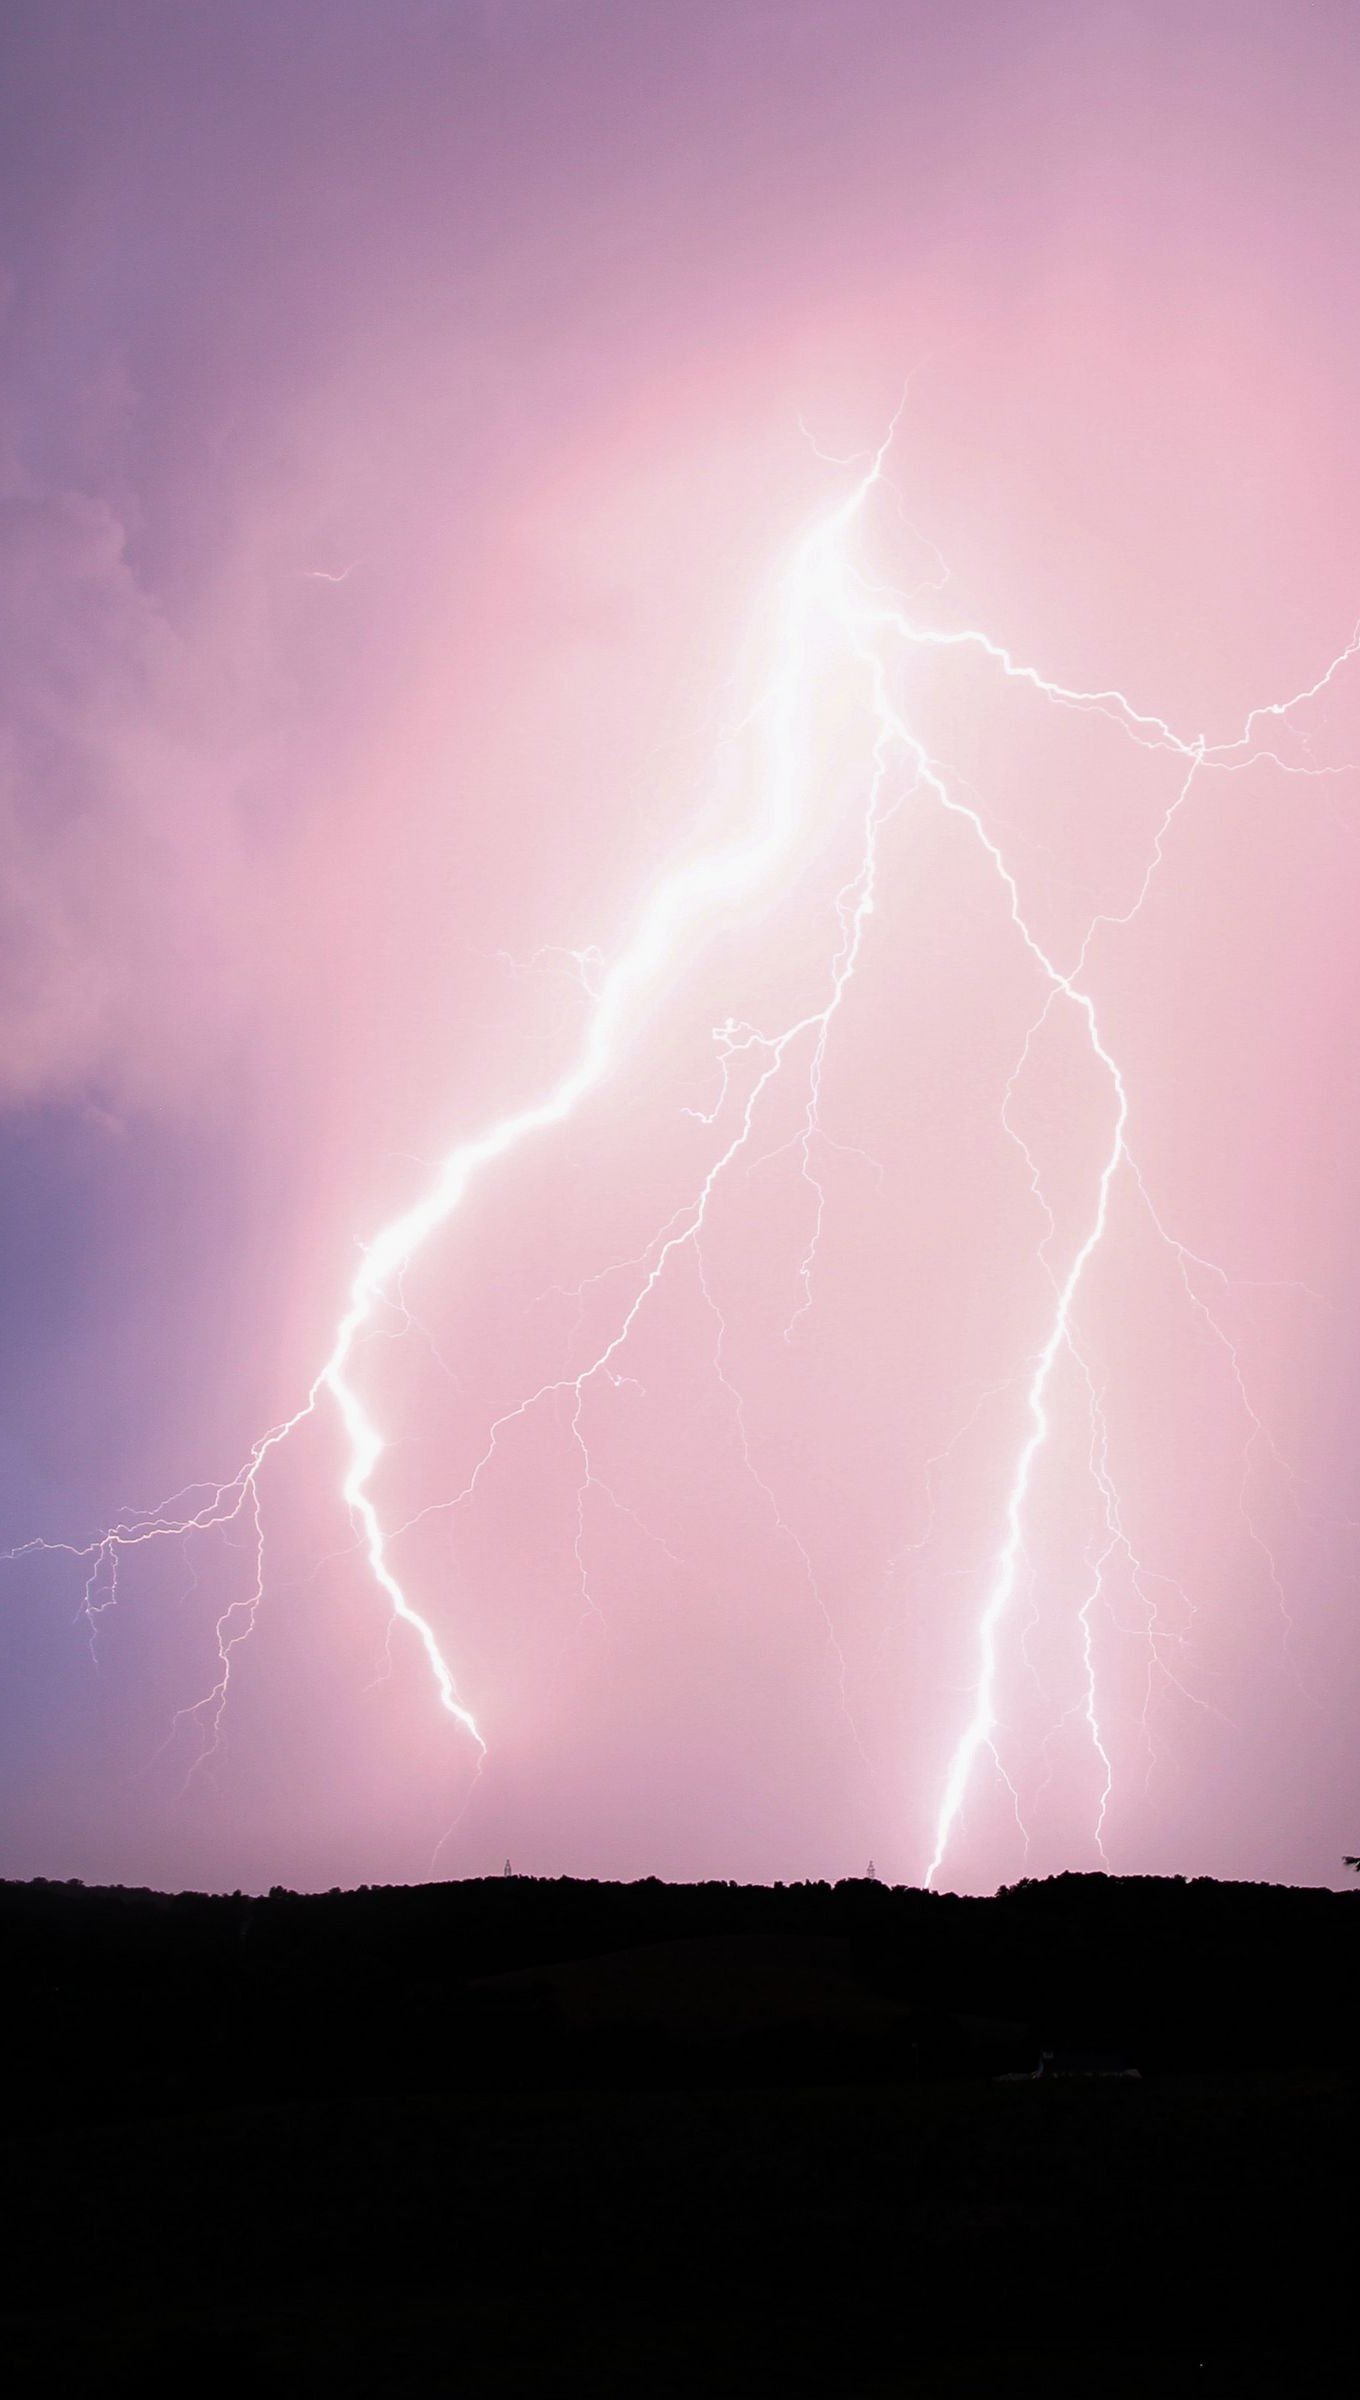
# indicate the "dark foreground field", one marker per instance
pixel 539 2138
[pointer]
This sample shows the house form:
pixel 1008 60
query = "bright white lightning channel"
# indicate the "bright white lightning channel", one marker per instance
pixel 819 595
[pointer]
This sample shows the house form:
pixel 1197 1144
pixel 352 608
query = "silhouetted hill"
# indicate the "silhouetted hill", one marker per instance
pixel 489 1981
pixel 533 2138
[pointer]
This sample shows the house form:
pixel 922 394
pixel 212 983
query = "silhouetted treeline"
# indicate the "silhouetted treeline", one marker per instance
pixel 130 2000
pixel 535 2139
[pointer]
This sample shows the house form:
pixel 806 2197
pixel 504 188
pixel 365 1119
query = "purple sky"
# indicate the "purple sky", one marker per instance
pixel 412 419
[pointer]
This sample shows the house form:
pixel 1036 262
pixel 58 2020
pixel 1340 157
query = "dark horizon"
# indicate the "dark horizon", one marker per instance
pixel 545 2136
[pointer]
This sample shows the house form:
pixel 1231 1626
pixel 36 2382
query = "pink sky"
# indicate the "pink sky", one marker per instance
pixel 409 418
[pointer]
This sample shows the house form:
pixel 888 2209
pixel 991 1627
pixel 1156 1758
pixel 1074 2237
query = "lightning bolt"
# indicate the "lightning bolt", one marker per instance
pixel 823 607
pixel 682 903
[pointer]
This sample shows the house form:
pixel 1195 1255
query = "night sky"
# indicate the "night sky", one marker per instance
pixel 903 1405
